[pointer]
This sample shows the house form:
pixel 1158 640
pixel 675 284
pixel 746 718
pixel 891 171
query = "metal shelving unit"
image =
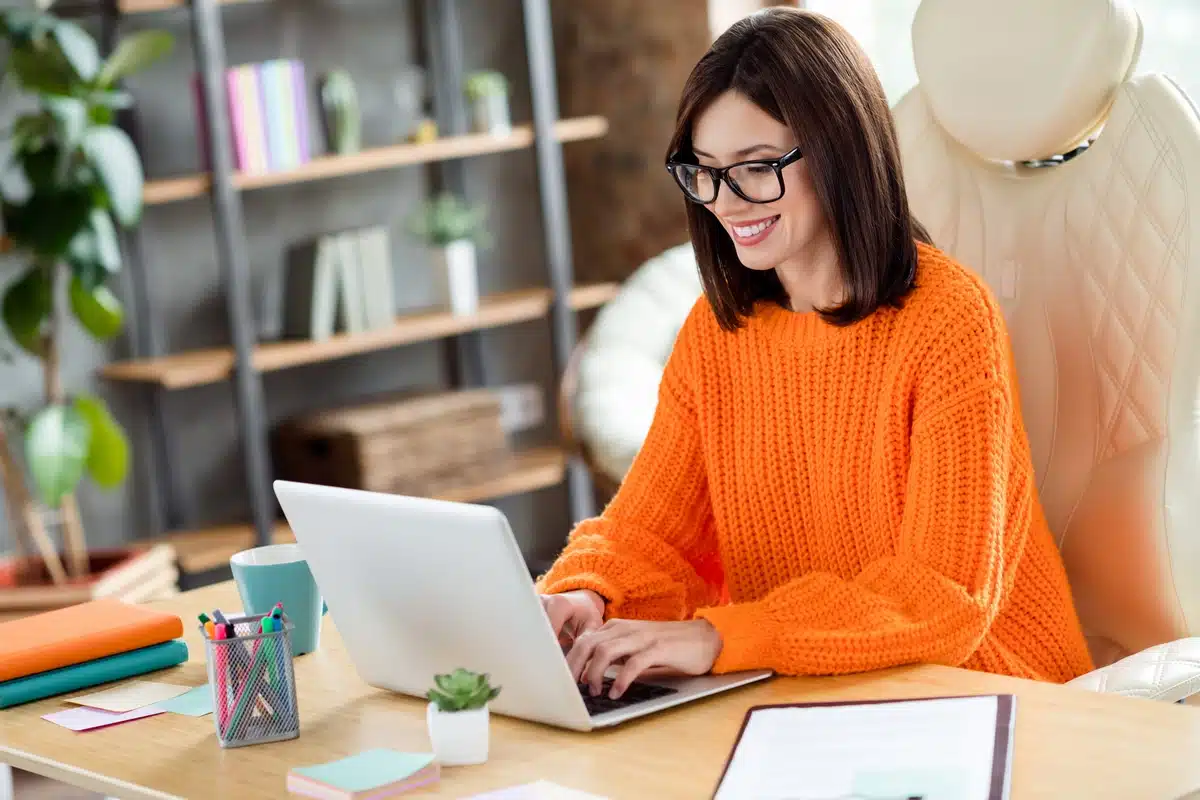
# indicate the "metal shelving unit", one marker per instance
pixel 242 362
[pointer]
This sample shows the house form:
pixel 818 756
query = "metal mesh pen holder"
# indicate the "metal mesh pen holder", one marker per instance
pixel 253 684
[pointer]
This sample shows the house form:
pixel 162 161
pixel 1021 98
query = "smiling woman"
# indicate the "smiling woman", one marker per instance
pixel 837 478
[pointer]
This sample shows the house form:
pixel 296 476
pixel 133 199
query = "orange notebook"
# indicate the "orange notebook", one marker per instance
pixel 80 633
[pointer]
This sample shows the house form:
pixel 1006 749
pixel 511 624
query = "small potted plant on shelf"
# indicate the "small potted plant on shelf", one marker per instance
pixel 487 92
pixel 72 178
pixel 452 231
pixel 458 717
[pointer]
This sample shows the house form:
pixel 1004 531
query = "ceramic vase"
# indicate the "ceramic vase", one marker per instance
pixel 490 114
pixel 458 738
pixel 455 276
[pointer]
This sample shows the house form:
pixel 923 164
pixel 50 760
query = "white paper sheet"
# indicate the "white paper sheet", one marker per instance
pixel 937 749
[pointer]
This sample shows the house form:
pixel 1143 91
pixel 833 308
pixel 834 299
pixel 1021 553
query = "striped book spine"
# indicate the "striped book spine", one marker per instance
pixel 273 116
pixel 300 95
pixel 252 113
pixel 237 123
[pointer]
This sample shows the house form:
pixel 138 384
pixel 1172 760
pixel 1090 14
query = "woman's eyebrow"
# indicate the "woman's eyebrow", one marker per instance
pixel 745 151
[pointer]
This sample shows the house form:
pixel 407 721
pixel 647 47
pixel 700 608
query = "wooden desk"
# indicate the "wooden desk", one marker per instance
pixel 1069 742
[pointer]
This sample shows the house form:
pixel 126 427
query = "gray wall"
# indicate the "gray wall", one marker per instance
pixel 375 40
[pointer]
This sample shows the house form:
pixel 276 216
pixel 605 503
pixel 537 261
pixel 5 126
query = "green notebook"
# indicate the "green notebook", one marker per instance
pixel 375 773
pixel 92 673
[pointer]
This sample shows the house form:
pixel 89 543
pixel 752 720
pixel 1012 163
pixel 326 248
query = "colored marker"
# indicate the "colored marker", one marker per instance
pixel 221 668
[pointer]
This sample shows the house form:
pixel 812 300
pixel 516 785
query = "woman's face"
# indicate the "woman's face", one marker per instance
pixel 733 129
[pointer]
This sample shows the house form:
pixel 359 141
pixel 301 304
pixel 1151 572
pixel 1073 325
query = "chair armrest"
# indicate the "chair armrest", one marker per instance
pixel 1168 672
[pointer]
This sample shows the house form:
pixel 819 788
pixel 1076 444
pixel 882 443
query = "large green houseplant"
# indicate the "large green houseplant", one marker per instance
pixel 72 177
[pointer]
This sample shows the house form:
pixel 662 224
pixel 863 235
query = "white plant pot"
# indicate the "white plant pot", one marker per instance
pixel 455 276
pixel 459 738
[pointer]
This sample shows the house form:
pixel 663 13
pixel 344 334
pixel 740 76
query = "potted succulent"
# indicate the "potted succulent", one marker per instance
pixel 72 178
pixel 458 718
pixel 487 92
pixel 451 230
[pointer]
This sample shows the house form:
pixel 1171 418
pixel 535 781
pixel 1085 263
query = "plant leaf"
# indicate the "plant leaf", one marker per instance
pixel 71 114
pixel 26 309
pixel 48 221
pixel 135 53
pixel 56 448
pixel 108 447
pixel 79 49
pixel 95 244
pixel 97 309
pixel 113 157
pixel 37 73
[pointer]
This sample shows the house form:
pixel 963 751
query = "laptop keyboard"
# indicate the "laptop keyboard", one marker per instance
pixel 636 693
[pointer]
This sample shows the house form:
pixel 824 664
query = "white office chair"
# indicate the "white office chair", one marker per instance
pixel 1096 260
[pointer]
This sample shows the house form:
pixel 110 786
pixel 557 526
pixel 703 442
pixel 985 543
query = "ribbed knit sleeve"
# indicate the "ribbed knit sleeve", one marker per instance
pixel 652 553
pixel 964 524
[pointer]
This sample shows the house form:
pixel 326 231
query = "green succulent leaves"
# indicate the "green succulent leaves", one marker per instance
pixel 461 690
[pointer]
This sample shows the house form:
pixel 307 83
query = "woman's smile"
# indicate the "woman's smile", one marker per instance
pixel 752 232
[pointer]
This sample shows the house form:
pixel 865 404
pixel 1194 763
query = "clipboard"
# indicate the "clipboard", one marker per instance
pixel 994 785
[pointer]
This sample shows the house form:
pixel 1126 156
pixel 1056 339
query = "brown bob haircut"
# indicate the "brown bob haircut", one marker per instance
pixel 807 71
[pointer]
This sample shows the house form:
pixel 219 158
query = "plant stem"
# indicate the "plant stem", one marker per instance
pixel 17 496
pixel 73 537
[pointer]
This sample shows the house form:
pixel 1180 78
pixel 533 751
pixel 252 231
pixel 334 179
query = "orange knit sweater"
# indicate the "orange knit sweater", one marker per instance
pixel 863 496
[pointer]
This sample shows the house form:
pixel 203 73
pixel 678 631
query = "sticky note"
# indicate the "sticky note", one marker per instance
pixel 129 696
pixel 370 769
pixel 193 703
pixel 86 719
pixel 538 790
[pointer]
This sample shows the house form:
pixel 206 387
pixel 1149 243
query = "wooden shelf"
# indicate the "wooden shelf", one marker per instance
pixel 147 6
pixel 203 550
pixel 184 187
pixel 199 367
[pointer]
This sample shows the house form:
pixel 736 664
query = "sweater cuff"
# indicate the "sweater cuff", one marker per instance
pixel 612 596
pixel 747 636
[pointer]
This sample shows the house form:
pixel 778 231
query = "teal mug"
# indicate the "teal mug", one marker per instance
pixel 278 573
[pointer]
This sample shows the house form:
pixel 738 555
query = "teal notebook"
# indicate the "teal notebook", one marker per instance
pixel 92 673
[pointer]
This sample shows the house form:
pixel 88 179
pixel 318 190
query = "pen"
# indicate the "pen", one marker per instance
pixel 220 669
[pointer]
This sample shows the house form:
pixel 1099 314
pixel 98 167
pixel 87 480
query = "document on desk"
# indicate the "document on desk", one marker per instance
pixel 954 748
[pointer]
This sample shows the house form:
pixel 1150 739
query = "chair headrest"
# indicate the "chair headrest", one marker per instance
pixel 1018 80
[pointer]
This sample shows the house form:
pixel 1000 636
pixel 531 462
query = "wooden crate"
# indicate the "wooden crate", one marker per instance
pixel 406 445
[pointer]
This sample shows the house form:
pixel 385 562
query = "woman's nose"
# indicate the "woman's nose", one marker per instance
pixel 728 203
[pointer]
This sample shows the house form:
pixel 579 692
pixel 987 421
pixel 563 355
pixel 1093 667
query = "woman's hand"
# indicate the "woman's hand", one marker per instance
pixel 573 613
pixel 687 648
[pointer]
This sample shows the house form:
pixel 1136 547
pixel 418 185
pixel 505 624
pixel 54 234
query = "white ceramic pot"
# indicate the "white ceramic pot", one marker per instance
pixel 459 738
pixel 455 276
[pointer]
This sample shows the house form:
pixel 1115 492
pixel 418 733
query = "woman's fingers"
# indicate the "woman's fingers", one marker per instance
pixel 633 667
pixel 609 652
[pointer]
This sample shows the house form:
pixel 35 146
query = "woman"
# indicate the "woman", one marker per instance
pixel 837 442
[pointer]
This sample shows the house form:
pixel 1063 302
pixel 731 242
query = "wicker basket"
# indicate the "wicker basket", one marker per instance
pixel 410 445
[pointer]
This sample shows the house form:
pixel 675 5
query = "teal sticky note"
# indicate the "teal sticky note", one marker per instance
pixel 928 784
pixel 367 770
pixel 194 703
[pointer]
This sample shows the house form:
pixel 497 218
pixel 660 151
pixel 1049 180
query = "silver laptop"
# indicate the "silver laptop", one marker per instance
pixel 419 587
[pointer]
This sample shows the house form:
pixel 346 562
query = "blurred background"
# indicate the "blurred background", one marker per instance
pixel 355 242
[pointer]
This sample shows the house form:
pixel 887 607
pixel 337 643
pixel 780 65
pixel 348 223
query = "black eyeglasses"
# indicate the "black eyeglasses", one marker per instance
pixel 759 181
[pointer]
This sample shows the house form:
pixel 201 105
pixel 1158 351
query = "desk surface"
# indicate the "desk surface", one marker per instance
pixel 1069 742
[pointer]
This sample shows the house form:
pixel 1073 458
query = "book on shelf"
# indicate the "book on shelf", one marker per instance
pixel 268 110
pixel 339 282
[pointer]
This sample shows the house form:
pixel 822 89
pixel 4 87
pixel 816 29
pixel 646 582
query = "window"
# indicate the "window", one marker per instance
pixel 1172 28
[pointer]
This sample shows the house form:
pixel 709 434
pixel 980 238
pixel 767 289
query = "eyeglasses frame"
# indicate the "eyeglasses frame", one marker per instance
pixel 721 175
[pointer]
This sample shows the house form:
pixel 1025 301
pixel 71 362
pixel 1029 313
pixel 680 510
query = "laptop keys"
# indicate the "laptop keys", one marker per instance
pixel 636 693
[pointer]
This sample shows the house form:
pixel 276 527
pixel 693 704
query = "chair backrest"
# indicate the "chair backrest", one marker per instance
pixel 1096 261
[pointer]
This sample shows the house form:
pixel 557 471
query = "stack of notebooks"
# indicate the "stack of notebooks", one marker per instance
pixel 268 116
pixel 342 281
pixel 82 646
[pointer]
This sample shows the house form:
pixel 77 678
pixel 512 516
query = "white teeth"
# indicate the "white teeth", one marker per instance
pixel 754 230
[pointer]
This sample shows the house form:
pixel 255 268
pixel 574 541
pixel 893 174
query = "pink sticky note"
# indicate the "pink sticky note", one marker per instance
pixel 86 719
